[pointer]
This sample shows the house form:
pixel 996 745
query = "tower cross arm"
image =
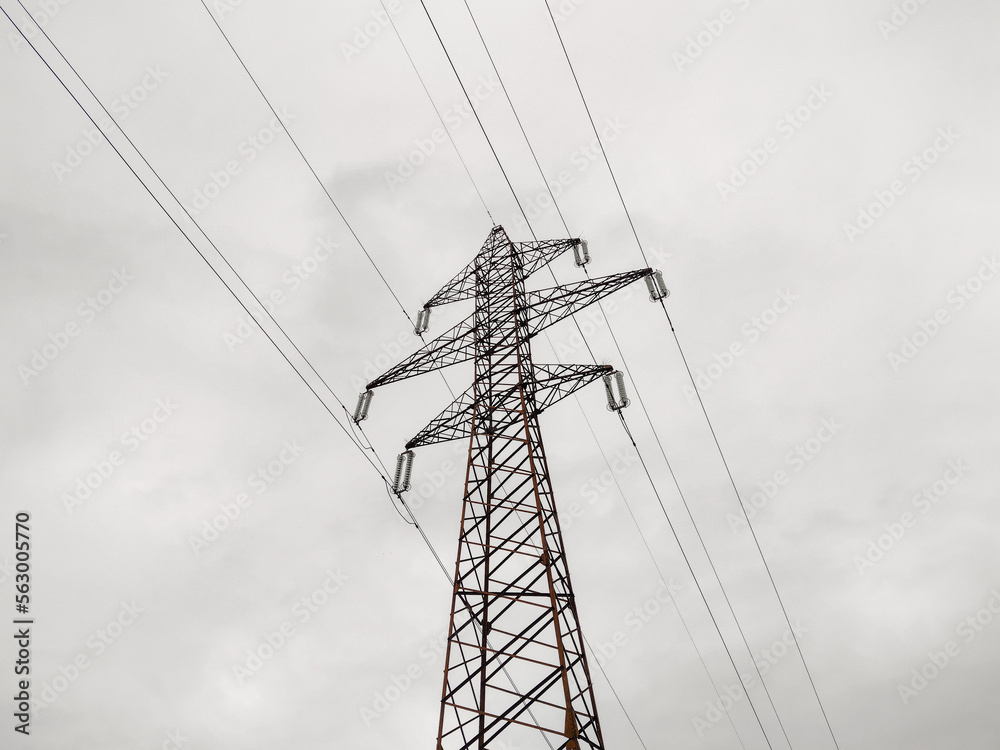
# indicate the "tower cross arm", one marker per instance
pixel 454 345
pixel 536 255
pixel 551 383
pixel 556 382
pixel 453 423
pixel 548 306
pixel 533 256
pixel 463 286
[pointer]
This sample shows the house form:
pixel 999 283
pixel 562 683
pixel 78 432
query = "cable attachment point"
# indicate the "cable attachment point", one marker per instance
pixel 404 467
pixel 581 252
pixel 615 381
pixel 361 410
pixel 657 289
pixel 423 319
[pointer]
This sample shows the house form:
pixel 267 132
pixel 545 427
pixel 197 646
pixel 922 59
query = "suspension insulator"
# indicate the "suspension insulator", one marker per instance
pixel 614 388
pixel 361 410
pixel 657 289
pixel 620 380
pixel 404 467
pixel 423 319
pixel 582 253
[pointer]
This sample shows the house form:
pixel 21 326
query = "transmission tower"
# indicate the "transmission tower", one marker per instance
pixel 515 658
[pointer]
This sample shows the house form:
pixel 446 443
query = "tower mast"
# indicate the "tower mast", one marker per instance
pixel 515 659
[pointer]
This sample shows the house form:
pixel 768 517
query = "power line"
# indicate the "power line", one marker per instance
pixel 753 534
pixel 177 225
pixel 687 562
pixel 513 110
pixel 663 580
pixel 474 111
pixel 690 515
pixel 308 164
pixel 715 573
pixel 353 438
pixel 435 107
pixel 555 204
pixel 628 215
pixel 592 125
pixel 615 692
pixel 319 181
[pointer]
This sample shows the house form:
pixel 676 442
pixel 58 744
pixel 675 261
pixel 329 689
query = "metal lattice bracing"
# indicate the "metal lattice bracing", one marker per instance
pixel 515 659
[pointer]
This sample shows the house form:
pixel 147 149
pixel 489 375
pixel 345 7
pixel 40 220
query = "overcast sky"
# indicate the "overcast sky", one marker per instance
pixel 817 182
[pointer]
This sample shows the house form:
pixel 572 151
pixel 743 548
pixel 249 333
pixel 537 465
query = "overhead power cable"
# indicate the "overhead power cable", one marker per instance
pixel 437 111
pixel 174 221
pixel 725 596
pixel 594 127
pixel 308 164
pixel 753 533
pixel 680 349
pixel 317 178
pixel 475 112
pixel 687 562
pixel 382 472
pixel 663 579
pixel 517 118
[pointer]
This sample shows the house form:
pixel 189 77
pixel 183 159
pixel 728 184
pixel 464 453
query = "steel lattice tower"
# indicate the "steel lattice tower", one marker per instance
pixel 515 656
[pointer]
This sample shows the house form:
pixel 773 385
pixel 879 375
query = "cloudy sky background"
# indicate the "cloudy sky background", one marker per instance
pixel 679 129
